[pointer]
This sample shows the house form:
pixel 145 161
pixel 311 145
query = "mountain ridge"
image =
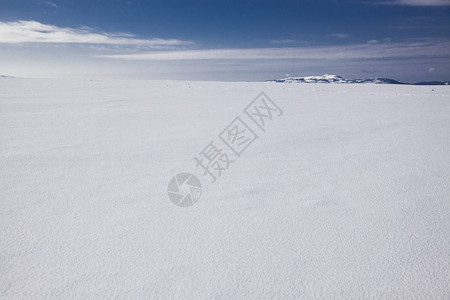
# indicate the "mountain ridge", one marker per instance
pixel 326 78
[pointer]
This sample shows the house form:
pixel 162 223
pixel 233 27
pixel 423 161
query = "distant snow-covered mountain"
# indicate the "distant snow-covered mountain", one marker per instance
pixel 339 79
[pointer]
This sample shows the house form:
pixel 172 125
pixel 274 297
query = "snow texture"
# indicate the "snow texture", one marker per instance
pixel 345 196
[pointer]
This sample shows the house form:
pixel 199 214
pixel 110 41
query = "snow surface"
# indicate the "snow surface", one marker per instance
pixel 345 196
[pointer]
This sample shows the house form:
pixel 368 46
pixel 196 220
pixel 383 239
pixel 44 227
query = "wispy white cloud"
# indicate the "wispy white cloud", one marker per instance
pixel 286 41
pixel 385 40
pixel 340 35
pixel 50 3
pixel 413 2
pixel 371 50
pixel 35 32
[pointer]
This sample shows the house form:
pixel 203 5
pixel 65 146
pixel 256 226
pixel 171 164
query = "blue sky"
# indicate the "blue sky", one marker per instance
pixel 225 40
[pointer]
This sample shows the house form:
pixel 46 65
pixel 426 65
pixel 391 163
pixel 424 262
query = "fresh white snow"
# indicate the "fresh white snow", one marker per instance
pixel 345 196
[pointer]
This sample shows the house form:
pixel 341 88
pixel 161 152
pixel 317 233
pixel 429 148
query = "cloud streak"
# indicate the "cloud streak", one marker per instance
pixel 340 35
pixel 35 32
pixel 49 3
pixel 406 49
pixel 414 2
pixel 285 41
